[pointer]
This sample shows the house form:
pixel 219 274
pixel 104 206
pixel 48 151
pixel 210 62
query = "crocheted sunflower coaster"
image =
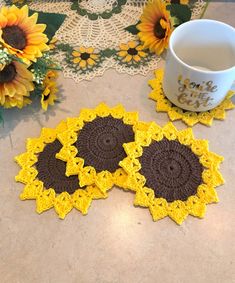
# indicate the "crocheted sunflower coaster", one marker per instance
pixel 93 145
pixel 45 180
pixel 188 117
pixel 171 172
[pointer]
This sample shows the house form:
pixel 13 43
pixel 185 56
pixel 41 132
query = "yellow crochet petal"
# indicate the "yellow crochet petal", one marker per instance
pixel 163 105
pixel 104 181
pixel 207 194
pixel 212 177
pixel 158 208
pixel 35 145
pixel 205 118
pixel 177 211
pixel 67 137
pixel 61 127
pixel 120 178
pixel 117 112
pixel 63 204
pixel 144 197
pixel 211 159
pixel 157 132
pixel 67 152
pixel 45 200
pixel 133 149
pixel 32 190
pixel 26 175
pixel 95 193
pixel 190 118
pixel 170 131
pixel 186 137
pixel 87 115
pixel 48 135
pixel 135 181
pixel 74 124
pixel 81 201
pixel 143 138
pixel 218 113
pixel 73 166
pixel 154 94
pixel 130 118
pixel 130 165
pixel 87 176
pixel 175 113
pixel 196 207
pixel 200 146
pixel 102 110
pixel 26 159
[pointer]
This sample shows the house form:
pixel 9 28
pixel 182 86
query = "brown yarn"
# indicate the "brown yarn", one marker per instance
pixel 100 143
pixel 51 171
pixel 171 169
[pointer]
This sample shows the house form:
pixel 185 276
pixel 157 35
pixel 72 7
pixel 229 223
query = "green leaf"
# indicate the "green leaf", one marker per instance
pixel 133 29
pixel 52 20
pixel 109 52
pixel 181 12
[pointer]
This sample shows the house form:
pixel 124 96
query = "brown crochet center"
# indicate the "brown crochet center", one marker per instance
pixel 171 169
pixel 100 143
pixel 51 171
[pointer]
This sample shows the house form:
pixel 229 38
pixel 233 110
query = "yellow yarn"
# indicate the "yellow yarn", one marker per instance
pixel 63 203
pixel 176 113
pixel 159 207
pixel 104 180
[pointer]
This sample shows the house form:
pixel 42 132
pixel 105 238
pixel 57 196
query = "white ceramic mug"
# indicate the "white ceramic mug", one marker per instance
pixel 200 64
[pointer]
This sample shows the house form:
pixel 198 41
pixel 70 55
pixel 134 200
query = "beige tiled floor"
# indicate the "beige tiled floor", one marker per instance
pixel 115 242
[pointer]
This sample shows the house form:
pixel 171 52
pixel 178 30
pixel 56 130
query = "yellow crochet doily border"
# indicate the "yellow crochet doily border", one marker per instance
pixel 159 207
pixel 63 203
pixel 189 118
pixel 87 175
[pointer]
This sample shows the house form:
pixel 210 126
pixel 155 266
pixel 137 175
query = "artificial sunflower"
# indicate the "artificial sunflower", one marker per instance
pixel 50 90
pixel 21 34
pixel 155 27
pixel 93 145
pixel 190 118
pixel 182 2
pixel 85 57
pixel 171 172
pixel 16 82
pixel 132 51
pixel 52 43
pixel 45 180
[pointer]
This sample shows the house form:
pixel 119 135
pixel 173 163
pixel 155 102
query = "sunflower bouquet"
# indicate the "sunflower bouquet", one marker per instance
pixel 158 20
pixel 26 68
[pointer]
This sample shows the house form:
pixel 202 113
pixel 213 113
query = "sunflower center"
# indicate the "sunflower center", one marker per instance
pixel 7 74
pixel 85 56
pixel 175 1
pixel 159 31
pixel 171 169
pixel 14 36
pixel 132 51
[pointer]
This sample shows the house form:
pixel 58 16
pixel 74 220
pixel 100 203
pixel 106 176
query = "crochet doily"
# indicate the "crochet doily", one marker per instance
pixel 93 145
pixel 45 180
pixel 171 172
pixel 102 32
pixel 99 24
pixel 190 118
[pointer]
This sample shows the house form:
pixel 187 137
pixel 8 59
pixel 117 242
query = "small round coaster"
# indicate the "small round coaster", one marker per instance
pixel 45 180
pixel 188 117
pixel 93 145
pixel 171 172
